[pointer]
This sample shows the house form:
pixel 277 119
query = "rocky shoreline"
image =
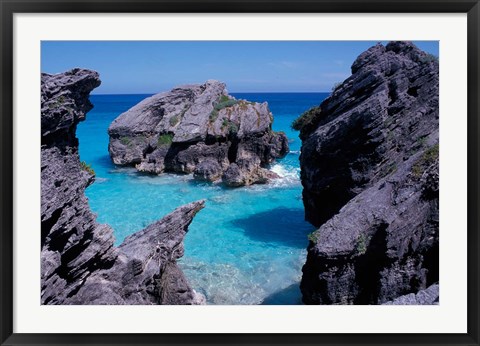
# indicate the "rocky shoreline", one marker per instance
pixel 369 168
pixel 79 262
pixel 199 129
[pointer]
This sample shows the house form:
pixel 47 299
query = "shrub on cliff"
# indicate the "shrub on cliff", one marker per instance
pixel 86 167
pixel 225 104
pixel 306 119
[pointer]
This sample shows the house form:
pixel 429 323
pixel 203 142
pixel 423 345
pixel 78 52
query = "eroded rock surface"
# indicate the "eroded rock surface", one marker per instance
pixel 198 129
pixel 79 262
pixel 369 168
pixel 429 296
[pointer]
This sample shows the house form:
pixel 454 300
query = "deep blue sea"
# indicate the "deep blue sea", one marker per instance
pixel 248 245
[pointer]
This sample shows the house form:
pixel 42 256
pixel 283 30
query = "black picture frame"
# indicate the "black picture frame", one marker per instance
pixel 9 8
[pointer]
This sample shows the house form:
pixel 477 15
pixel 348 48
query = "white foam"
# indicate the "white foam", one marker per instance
pixel 288 175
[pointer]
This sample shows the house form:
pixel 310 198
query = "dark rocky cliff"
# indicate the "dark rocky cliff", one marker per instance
pixel 79 262
pixel 198 129
pixel 369 168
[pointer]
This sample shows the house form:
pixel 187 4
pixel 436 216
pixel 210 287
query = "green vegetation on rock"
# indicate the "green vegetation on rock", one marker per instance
pixel 125 140
pixel 213 116
pixel 86 167
pixel 427 159
pixel 362 243
pixel 225 104
pixel 224 101
pixel 230 125
pixel 223 98
pixel 60 100
pixel 165 139
pixel 313 237
pixel 306 118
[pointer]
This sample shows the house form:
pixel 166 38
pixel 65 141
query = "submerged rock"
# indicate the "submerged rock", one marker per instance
pixel 369 168
pixel 198 129
pixel 79 262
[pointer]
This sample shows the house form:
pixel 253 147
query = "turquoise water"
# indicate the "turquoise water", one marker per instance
pixel 248 245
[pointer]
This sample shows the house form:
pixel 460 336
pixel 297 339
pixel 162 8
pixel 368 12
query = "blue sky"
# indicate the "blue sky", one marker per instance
pixel 136 67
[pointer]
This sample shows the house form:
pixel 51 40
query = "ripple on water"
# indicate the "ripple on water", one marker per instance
pixel 228 284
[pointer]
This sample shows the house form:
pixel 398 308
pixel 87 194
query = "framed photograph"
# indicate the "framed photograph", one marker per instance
pixel 239 173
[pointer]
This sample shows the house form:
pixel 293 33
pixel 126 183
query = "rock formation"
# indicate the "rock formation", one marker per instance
pixel 369 168
pixel 427 296
pixel 198 129
pixel 79 262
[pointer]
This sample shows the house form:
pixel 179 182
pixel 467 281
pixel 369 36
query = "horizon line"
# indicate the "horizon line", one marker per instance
pixel 230 92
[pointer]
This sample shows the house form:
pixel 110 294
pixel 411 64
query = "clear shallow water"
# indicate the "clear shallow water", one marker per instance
pixel 248 245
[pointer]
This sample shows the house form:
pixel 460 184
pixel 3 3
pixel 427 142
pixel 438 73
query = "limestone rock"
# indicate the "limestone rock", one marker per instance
pixel 79 262
pixel 429 296
pixel 369 168
pixel 145 271
pixel 208 170
pixel 197 128
pixel 247 172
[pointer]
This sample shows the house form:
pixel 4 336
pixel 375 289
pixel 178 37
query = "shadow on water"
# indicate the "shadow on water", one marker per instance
pixel 288 296
pixel 279 225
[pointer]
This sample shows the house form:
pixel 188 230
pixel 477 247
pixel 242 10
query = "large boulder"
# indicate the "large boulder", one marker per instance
pixel 198 129
pixel 79 262
pixel 369 168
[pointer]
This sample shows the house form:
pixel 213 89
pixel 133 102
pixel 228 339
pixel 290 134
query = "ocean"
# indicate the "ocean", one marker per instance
pixel 248 245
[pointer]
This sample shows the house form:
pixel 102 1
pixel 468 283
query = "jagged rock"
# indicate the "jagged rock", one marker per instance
pixel 145 271
pixel 208 170
pixel 429 296
pixel 369 168
pixel 247 172
pixel 79 262
pixel 197 129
